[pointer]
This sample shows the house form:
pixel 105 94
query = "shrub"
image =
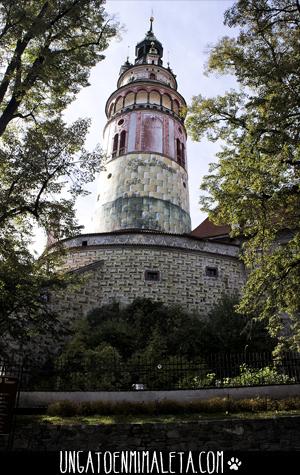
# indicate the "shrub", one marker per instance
pixel 63 408
pixel 255 377
pixel 209 406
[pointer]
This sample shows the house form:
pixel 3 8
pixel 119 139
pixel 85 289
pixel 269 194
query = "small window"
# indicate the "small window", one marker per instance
pixel 211 272
pixel 122 142
pixel 152 76
pixel 178 151
pixel 84 243
pixel 152 275
pixel 121 121
pixel 115 145
pixel 182 156
pixel 109 175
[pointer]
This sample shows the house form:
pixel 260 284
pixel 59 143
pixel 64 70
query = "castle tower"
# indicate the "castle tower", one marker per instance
pixel 145 183
pixel 142 246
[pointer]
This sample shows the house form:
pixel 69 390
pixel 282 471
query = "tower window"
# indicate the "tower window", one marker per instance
pixel 178 151
pixel 122 142
pixel 115 145
pixel 211 272
pixel 152 275
pixel 182 155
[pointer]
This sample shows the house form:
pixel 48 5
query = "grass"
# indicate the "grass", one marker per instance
pixel 150 419
pixel 168 407
pixel 163 412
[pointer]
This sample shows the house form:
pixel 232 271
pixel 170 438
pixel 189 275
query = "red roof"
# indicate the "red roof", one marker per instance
pixel 207 229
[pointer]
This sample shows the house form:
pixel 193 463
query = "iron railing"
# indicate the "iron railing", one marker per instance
pixel 91 373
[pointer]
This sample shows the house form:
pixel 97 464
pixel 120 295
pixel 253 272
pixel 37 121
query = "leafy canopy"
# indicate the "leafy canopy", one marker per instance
pixel 47 50
pixel 153 331
pixel 254 186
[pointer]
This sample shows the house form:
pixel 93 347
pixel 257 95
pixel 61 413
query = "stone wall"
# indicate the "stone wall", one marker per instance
pixel 116 272
pixel 276 434
pixel 143 191
pixel 41 399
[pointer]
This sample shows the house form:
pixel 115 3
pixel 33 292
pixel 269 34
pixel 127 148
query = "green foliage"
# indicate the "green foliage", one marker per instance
pixel 254 377
pixel 149 330
pixel 254 187
pixel 144 329
pixel 214 405
pixel 248 377
pixel 47 50
pixel 228 330
pixel 146 341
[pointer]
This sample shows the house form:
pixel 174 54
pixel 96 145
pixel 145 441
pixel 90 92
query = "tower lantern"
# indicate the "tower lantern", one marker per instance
pixel 145 183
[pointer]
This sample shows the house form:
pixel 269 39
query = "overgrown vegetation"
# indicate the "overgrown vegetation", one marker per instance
pixel 247 377
pixel 254 186
pixel 150 330
pixel 117 348
pixel 216 405
pixel 47 51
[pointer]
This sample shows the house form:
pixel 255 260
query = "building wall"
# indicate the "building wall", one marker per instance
pixel 143 190
pixel 118 274
pixel 144 71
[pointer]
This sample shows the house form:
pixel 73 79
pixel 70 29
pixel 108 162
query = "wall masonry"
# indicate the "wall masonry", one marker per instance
pixel 116 272
pixel 143 191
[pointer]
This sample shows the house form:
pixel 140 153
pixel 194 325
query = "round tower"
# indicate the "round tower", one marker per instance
pixel 145 182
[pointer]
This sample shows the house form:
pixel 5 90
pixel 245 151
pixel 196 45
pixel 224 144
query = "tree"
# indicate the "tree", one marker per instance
pixel 140 329
pixel 151 330
pixel 47 51
pixel 254 187
pixel 228 331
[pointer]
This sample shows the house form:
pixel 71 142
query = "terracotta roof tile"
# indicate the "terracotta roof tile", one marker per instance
pixel 207 229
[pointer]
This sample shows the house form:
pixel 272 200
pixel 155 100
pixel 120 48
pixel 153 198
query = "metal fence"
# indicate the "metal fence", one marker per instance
pixel 213 371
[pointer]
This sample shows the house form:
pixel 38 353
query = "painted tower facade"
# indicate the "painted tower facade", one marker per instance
pixel 145 183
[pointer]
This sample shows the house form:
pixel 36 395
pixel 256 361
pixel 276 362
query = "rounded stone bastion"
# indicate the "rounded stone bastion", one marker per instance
pixel 123 265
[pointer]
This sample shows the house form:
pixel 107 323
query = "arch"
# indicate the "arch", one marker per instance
pixel 167 101
pixel 176 106
pixel 115 145
pixel 141 97
pixel 119 104
pixel 129 99
pixel 154 98
pixel 152 134
pixel 111 109
pixel 122 142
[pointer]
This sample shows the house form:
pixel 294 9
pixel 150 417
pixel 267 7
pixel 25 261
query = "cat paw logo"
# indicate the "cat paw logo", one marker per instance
pixel 234 463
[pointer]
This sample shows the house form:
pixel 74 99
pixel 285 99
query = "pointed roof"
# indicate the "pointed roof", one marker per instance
pixel 150 41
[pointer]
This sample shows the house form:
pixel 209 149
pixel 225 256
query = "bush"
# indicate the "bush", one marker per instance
pixel 256 377
pixel 63 408
pixel 210 406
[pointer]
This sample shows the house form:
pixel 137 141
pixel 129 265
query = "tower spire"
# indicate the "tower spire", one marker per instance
pixel 151 22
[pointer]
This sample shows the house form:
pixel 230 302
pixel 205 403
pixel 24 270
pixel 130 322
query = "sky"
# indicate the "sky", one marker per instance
pixel 186 29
